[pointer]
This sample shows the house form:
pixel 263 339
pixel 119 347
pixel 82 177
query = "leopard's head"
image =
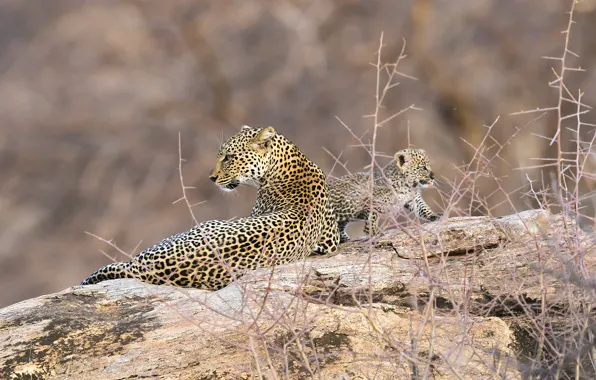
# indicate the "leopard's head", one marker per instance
pixel 415 166
pixel 243 158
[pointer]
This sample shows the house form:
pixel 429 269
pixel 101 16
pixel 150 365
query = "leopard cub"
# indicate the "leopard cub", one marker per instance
pixel 398 184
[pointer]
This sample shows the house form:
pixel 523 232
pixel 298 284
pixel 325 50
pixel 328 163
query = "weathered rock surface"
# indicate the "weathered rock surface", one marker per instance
pixel 359 314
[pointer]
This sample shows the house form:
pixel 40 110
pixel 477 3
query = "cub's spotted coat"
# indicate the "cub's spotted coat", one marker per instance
pixel 399 184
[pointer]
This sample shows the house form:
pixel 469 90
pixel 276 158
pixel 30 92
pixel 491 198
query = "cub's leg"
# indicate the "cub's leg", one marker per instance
pixel 422 209
pixel 371 225
pixel 343 225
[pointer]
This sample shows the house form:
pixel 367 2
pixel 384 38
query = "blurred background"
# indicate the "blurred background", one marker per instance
pixel 93 96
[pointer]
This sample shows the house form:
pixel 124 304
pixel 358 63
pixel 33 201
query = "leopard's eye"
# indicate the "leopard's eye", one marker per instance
pixel 228 157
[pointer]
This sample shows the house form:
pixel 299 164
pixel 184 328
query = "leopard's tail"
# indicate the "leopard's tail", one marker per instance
pixel 109 272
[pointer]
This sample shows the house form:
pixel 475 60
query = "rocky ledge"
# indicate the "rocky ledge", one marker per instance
pixel 443 300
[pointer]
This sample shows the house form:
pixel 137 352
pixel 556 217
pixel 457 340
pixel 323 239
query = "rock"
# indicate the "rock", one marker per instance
pixel 124 328
pixel 362 313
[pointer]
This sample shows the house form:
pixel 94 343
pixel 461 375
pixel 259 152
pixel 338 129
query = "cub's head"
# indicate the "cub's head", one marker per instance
pixel 243 158
pixel 415 166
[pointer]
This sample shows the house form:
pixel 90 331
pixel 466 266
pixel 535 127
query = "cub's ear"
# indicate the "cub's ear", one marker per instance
pixel 263 138
pixel 245 128
pixel 401 158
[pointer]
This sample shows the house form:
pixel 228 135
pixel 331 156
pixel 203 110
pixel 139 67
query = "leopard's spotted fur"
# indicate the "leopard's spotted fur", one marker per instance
pixel 291 218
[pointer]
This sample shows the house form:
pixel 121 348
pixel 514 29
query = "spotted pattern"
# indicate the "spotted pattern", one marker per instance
pixel 398 184
pixel 291 218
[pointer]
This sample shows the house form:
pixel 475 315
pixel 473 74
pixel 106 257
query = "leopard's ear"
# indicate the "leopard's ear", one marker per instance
pixel 263 138
pixel 245 128
pixel 401 158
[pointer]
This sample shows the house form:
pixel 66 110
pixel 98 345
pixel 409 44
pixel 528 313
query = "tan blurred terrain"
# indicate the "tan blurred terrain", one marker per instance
pixel 93 96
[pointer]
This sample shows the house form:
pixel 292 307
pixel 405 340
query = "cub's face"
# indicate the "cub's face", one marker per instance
pixel 243 158
pixel 415 165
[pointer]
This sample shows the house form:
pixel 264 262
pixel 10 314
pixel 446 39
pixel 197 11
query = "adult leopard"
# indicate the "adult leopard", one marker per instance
pixel 291 218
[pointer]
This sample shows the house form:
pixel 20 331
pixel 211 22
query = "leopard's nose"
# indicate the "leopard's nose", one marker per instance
pixel 432 175
pixel 213 178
